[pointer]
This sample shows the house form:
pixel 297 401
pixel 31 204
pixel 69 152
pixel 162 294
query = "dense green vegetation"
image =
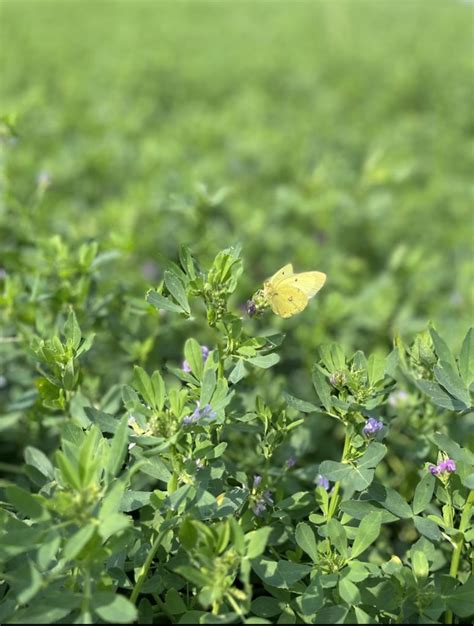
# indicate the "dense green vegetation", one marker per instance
pixel 158 161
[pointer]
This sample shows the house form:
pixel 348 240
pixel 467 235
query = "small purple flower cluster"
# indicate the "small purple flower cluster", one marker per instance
pixel 372 427
pixel 205 353
pixel 291 462
pixel 446 466
pixel 199 413
pixel 257 479
pixel 263 501
pixel 251 308
pixel 322 481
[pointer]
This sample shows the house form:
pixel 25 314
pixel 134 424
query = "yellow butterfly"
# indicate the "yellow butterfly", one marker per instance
pixel 288 293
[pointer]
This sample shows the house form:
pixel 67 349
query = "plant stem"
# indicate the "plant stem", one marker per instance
pixel 86 599
pixel 456 557
pixel 146 566
pixel 335 492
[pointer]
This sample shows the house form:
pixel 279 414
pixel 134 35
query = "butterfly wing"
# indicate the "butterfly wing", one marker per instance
pixel 284 272
pixel 307 282
pixel 287 300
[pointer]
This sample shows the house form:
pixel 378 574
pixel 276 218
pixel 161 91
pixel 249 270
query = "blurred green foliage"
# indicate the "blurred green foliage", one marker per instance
pixel 333 135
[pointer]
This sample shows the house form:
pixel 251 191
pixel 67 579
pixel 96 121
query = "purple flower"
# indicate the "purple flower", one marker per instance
pixel 434 469
pixel 259 508
pixel 205 353
pixel 257 479
pixel 291 462
pixel 322 481
pixel 262 503
pixel 448 465
pixel 372 426
pixel 199 413
pixel 251 308
pixel 186 367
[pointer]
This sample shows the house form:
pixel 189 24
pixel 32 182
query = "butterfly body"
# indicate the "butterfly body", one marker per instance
pixel 288 293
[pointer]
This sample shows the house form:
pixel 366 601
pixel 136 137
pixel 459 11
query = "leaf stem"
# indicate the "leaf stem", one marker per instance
pixel 146 566
pixel 335 492
pixel 456 557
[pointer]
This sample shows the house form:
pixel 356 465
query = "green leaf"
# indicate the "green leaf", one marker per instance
pixel 142 383
pixel 264 362
pixel 335 471
pixel 468 481
pixel 118 448
pixel 312 600
pixel 113 524
pixel 176 289
pixel 72 330
pixel 78 541
pixel 358 509
pixel 375 368
pixel 367 533
pixel 453 449
pixel 420 565
pixel 187 261
pixel 338 537
pixel 238 372
pixel 423 493
pixel 40 461
pixel 265 606
pixel 133 500
pixel 448 377
pixel 306 540
pixel 25 581
pixel 160 302
pixel 41 613
pixel 256 542
pixel 70 474
pixel 348 591
pixel 159 390
pixel 372 456
pixel 461 600
pixel 439 396
pixel 193 355
pixel 174 603
pixel 322 388
pixel 208 385
pixel 332 615
pixel 155 467
pixel 427 528
pixel 466 359
pixel 113 608
pixel 300 405
pixel 441 348
pixel 26 503
pixel 48 549
pixel 390 500
pixel 280 574
pixel 195 576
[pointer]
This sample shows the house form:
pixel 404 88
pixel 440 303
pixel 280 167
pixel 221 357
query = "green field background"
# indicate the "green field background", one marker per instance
pixel 335 135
